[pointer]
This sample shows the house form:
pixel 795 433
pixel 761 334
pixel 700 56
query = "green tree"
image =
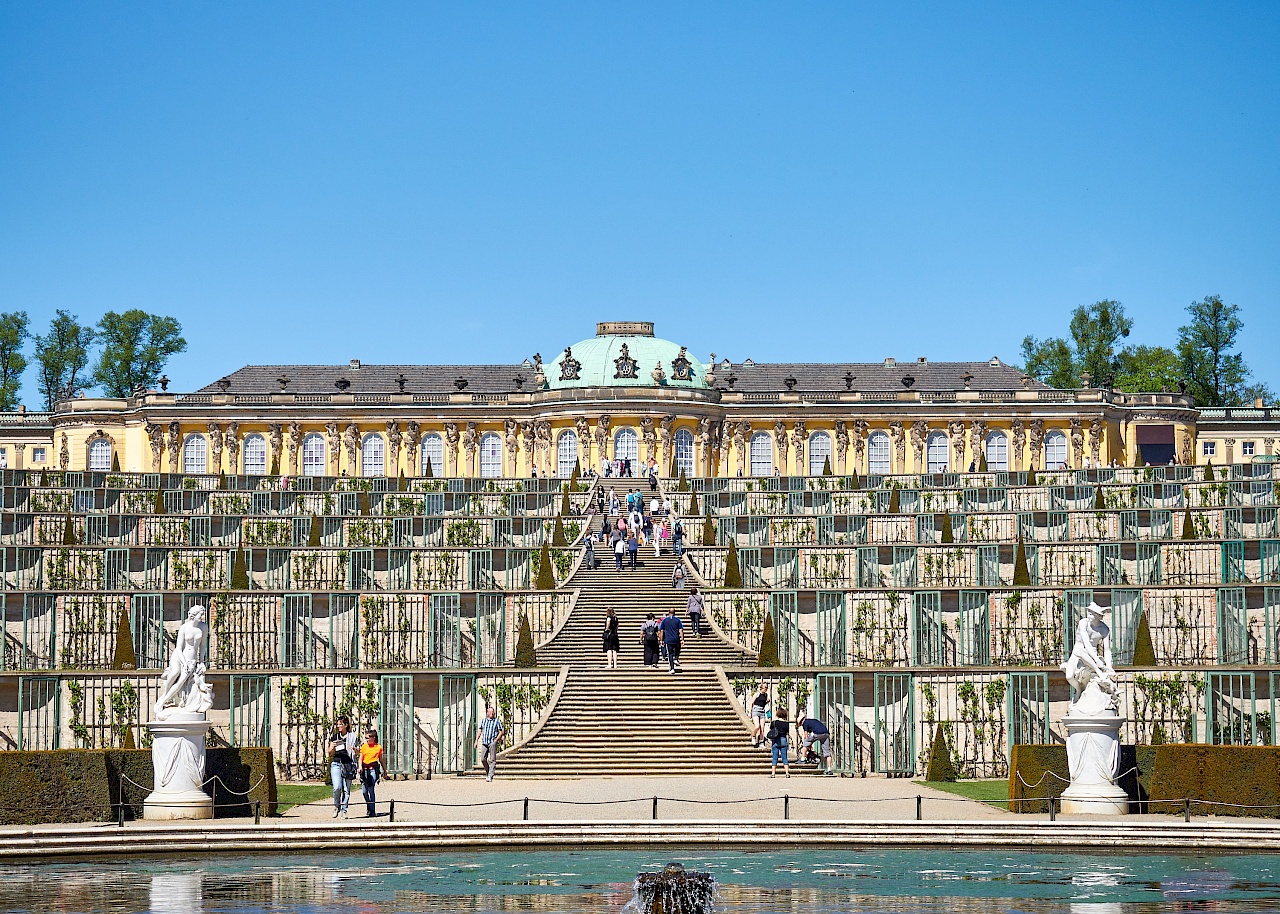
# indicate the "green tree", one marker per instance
pixel 62 354
pixel 13 336
pixel 1147 369
pixel 1095 330
pixel 135 347
pixel 1049 361
pixel 1214 372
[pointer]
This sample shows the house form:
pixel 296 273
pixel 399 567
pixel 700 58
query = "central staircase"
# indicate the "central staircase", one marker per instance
pixel 635 720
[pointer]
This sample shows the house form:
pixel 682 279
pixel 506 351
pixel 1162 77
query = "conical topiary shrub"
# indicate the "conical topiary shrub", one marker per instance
pixel 768 655
pixel 157 506
pixel 526 654
pixel 239 572
pixel 708 532
pixel 1188 525
pixel 1099 502
pixel 1208 471
pixel 684 483
pixel 403 484
pixel 313 535
pixel 856 484
pixel 558 537
pixel 826 466
pixel 68 531
pixel 940 765
pixel 222 481
pixel 125 658
pixel 948 534
pixel 115 461
pixel 982 464
pixel 275 465
pixel 1021 577
pixel 364 503
pixel 1144 651
pixel 1031 477
pixel 732 570
pixel 895 502
pixel 566 507
pixel 546 578
pixel 127 741
pixel 428 472
pixel 693 505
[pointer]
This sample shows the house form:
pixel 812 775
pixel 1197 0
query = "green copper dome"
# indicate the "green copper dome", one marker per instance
pixel 625 354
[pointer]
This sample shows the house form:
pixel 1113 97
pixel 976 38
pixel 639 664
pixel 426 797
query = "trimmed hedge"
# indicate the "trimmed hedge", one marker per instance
pixel 84 785
pixel 1246 775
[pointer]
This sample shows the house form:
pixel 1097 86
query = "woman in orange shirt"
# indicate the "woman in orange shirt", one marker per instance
pixel 370 770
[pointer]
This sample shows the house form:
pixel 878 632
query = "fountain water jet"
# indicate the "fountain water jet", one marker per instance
pixel 674 891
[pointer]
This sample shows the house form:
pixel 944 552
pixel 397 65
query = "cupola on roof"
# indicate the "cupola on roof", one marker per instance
pixel 625 354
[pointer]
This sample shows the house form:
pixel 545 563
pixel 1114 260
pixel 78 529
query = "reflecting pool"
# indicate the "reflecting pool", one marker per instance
pixel 791 879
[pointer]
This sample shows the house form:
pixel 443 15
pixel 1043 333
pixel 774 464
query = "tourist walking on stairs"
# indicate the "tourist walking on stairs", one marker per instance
pixel 759 714
pixel 610 637
pixel 488 739
pixel 678 575
pixel 619 550
pixel 695 609
pixel 779 729
pixel 672 639
pixel 649 638
pixel 633 547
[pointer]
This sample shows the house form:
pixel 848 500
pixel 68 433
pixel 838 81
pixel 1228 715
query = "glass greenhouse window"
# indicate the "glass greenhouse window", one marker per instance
pixel 761 454
pixel 938 453
pixel 997 451
pixel 100 455
pixel 819 452
pixel 626 447
pixel 490 455
pixel 195 455
pixel 1055 451
pixel 313 455
pixel 684 451
pixel 255 455
pixel 433 454
pixel 373 456
pixel 566 454
pixel 878 454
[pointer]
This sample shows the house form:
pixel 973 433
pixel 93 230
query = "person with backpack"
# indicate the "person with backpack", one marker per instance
pixel 695 611
pixel 619 550
pixel 650 642
pixel 342 763
pixel 677 538
pixel 633 548
pixel 779 730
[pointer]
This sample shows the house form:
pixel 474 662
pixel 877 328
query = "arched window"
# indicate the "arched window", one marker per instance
pixel 433 454
pixel 878 454
pixel 684 451
pixel 997 451
pixel 255 455
pixel 195 455
pixel 761 454
pixel 313 455
pixel 819 453
pixel 1055 451
pixel 566 453
pixel 99 455
pixel 938 453
pixel 490 455
pixel 373 456
pixel 627 447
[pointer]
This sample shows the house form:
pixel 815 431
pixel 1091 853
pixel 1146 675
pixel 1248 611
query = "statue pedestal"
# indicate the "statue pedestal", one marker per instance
pixel 177 755
pixel 1093 752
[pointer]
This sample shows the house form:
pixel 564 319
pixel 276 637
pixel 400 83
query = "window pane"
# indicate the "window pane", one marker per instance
pixel 194 455
pixel 373 460
pixel 684 451
pixel 938 453
pixel 1055 451
pixel 626 446
pixel 255 455
pixel 313 457
pixel 878 454
pixel 761 454
pixel 819 452
pixel 997 449
pixel 490 455
pixel 100 456
pixel 566 454
pixel 433 454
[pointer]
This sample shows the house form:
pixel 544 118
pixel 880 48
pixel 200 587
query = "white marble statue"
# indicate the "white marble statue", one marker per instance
pixel 1093 721
pixel 183 690
pixel 1089 669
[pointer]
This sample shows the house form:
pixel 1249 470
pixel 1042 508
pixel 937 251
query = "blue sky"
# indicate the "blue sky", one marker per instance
pixel 474 182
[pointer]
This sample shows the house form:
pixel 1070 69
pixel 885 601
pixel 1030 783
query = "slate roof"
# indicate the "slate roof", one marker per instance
pixel 762 377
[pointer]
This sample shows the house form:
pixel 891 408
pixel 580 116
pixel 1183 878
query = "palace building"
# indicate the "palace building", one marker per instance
pixel 626 393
